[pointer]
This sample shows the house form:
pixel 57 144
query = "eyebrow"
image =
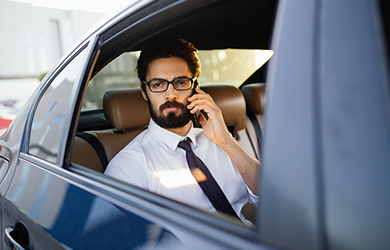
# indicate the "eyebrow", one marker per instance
pixel 159 79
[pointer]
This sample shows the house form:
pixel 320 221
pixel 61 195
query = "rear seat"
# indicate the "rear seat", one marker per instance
pixel 128 112
pixel 254 95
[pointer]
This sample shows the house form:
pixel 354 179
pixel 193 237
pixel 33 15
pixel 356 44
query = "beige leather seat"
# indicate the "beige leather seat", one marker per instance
pixel 128 112
pixel 254 95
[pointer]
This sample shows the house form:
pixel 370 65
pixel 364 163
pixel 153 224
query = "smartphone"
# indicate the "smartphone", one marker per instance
pixel 196 115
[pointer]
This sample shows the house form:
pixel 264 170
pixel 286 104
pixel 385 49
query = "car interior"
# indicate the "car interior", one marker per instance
pixel 119 113
pixel 118 104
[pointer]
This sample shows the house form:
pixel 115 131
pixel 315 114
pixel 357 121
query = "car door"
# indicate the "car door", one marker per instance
pixel 52 204
pixel 327 138
pixel 43 209
pixel 34 189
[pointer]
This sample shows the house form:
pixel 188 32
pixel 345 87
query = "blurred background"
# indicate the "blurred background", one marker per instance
pixel 34 35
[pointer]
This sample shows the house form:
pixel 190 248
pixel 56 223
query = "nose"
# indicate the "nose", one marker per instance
pixel 170 93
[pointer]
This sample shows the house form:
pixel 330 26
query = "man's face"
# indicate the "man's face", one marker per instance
pixel 168 109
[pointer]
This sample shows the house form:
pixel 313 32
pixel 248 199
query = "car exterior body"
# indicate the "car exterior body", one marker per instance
pixel 325 173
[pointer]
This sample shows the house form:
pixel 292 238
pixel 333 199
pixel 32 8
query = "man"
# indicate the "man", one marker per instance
pixel 156 160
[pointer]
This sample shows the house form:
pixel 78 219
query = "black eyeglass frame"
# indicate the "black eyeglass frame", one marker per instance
pixel 193 80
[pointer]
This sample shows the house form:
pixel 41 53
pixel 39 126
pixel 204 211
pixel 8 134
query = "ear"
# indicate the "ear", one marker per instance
pixel 144 95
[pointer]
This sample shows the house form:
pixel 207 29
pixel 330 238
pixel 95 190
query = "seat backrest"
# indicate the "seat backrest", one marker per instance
pixel 85 155
pixel 231 102
pixel 128 112
pixel 254 95
pixel 126 109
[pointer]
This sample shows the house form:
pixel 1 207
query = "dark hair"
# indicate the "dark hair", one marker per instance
pixel 163 47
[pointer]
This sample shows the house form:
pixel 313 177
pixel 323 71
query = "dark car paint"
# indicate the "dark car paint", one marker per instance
pixel 67 214
pixel 327 140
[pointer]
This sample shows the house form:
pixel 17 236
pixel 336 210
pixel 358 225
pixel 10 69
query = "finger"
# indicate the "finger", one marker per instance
pixel 201 101
pixel 201 98
pixel 196 108
pixel 206 112
pixel 199 93
pixel 204 109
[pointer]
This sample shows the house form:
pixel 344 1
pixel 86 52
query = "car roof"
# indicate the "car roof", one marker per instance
pixel 212 27
pixel 245 24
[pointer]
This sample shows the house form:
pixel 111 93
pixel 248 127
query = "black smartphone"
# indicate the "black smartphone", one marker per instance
pixel 196 115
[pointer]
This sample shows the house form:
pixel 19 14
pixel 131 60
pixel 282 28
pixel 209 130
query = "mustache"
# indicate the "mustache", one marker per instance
pixel 172 104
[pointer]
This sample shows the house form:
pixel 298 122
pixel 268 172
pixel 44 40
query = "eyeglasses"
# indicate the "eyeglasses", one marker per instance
pixel 161 85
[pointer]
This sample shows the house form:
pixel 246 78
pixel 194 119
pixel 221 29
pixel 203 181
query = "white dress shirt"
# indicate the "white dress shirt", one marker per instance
pixel 153 162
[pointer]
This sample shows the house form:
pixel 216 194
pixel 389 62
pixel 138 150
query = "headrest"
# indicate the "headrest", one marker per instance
pixel 254 97
pixel 231 101
pixel 130 102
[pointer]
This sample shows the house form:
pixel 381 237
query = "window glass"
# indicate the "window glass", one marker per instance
pixel 3 168
pixel 49 117
pixel 231 66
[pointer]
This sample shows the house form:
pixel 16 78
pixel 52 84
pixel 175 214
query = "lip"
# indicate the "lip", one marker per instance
pixel 170 109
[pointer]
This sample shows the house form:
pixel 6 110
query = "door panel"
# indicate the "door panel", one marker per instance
pixel 58 214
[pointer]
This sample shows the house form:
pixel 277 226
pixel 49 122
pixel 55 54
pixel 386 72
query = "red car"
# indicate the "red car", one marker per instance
pixel 5 121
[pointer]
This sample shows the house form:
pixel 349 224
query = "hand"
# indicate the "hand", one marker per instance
pixel 214 127
pixel 216 131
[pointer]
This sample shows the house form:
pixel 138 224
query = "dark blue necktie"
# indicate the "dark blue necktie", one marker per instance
pixel 206 181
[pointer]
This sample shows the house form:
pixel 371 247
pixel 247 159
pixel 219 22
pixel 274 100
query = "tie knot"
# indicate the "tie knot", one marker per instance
pixel 185 144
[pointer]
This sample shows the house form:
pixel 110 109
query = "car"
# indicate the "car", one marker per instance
pixel 8 111
pixel 5 121
pixel 317 115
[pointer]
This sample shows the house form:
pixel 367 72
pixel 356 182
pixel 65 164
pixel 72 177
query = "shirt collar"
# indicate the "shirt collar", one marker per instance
pixel 169 138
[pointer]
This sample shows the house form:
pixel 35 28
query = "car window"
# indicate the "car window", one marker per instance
pixel 226 66
pixel 232 66
pixel 101 135
pixel 49 117
pixel 3 168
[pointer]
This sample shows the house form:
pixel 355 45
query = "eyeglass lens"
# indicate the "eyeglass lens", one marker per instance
pixel 161 85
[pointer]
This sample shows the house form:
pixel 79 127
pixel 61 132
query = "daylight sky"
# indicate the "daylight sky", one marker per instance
pixel 88 5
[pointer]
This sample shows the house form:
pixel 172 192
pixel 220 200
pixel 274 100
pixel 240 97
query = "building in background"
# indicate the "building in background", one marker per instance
pixel 32 40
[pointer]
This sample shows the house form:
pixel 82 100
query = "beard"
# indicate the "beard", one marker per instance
pixel 173 119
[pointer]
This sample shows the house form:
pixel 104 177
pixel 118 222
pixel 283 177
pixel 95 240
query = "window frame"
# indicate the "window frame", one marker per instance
pixel 129 197
pixel 86 47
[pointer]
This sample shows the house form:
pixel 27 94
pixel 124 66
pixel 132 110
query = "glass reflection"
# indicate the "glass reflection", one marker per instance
pixel 49 117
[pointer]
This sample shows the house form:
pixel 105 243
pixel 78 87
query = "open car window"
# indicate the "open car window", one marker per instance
pixel 225 66
pixel 231 66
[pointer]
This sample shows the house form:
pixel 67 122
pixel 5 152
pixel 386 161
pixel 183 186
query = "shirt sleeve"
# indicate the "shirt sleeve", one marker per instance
pixel 129 166
pixel 254 199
